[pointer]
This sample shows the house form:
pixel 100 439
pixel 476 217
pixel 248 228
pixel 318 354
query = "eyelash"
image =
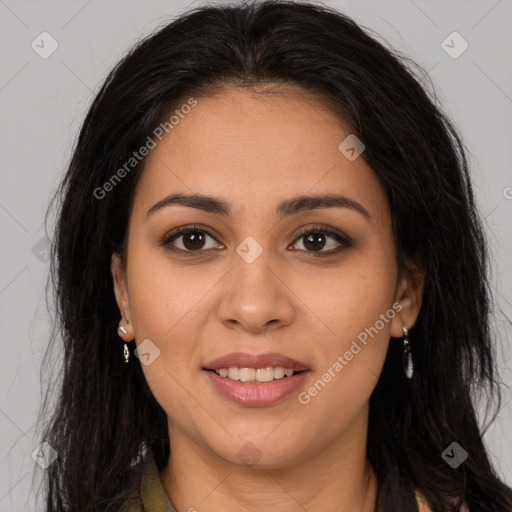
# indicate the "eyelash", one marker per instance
pixel 344 241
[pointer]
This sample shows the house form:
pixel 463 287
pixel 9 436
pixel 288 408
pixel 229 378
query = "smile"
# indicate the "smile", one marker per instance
pixel 267 374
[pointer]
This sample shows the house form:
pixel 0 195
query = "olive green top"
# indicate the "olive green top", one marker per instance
pixel 150 496
pixel 394 494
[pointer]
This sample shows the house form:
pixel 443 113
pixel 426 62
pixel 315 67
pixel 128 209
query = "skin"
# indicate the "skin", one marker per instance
pixel 254 150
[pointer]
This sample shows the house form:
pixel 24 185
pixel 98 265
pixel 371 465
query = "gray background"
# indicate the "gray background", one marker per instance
pixel 43 102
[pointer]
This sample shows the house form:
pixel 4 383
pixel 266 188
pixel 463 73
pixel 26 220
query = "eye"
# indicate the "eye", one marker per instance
pixel 315 239
pixel 192 240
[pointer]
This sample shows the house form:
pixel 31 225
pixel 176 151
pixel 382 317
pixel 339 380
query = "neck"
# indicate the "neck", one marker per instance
pixel 338 477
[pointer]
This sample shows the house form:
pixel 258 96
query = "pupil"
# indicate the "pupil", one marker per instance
pixel 313 238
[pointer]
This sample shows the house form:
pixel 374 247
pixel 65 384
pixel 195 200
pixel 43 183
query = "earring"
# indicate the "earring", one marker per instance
pixel 407 355
pixel 126 350
pixel 126 353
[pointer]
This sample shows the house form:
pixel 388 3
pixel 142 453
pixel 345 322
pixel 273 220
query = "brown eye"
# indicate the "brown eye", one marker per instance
pixel 192 241
pixel 315 239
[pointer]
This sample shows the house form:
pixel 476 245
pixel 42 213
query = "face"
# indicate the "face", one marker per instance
pixel 247 280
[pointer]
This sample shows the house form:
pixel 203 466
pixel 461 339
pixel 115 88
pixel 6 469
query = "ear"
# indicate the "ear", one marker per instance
pixel 409 296
pixel 121 293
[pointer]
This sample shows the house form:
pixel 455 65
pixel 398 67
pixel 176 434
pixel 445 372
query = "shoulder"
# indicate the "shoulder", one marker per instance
pixel 423 506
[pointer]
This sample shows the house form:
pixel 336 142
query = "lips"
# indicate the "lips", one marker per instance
pixel 248 360
pixel 256 394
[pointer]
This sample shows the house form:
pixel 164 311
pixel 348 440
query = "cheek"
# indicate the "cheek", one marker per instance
pixel 170 305
pixel 345 300
pixel 167 309
pixel 352 309
pixel 165 298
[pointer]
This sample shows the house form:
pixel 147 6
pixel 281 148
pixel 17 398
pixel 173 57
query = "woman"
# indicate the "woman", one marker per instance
pixel 266 204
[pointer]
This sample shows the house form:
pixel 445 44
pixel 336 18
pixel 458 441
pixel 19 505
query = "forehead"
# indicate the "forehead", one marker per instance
pixel 255 148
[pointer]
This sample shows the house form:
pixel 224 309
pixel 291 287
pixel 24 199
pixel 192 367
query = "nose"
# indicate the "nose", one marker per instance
pixel 255 296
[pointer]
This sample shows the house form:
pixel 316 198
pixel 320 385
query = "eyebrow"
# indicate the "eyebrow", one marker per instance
pixel 286 208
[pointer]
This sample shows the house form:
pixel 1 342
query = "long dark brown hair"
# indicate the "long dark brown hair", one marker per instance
pixel 105 418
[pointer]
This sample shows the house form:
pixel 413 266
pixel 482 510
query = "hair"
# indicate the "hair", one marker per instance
pixel 105 417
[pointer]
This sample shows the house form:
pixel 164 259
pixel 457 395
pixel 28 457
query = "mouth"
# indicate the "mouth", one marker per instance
pixel 263 361
pixel 256 375
pixel 255 380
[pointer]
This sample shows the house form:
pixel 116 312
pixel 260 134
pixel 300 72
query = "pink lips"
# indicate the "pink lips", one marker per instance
pixel 256 394
pixel 248 360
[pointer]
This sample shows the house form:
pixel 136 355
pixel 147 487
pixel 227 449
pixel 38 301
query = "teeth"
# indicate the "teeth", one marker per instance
pixel 233 373
pixel 247 374
pixel 267 374
pixel 279 372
